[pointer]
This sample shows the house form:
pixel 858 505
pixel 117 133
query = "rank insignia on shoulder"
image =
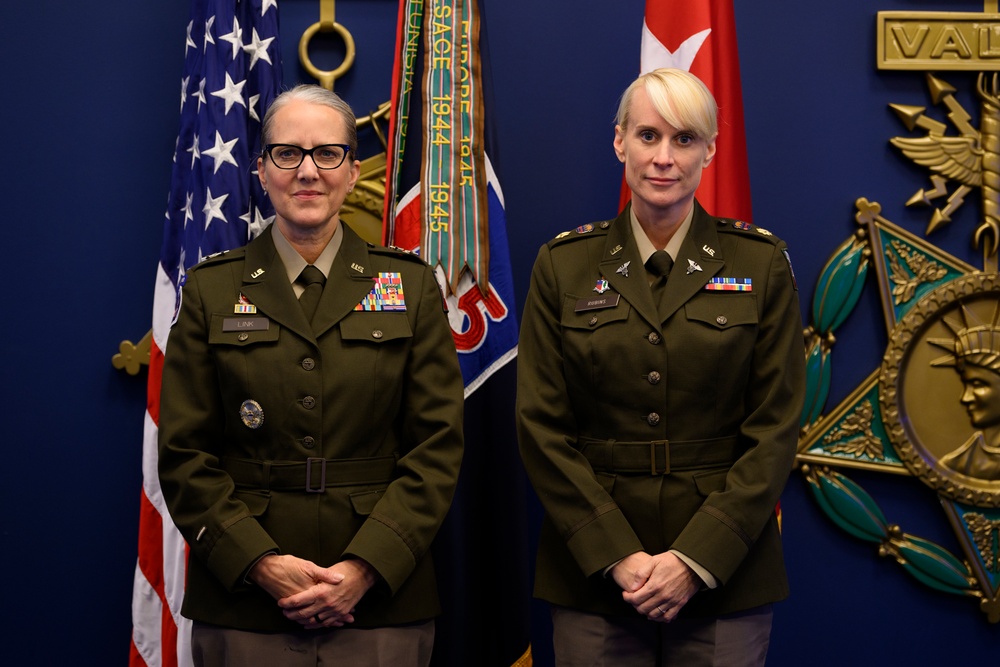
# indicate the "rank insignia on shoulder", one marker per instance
pixel 386 294
pixel 584 229
pixel 730 285
pixel 763 231
pixel 561 235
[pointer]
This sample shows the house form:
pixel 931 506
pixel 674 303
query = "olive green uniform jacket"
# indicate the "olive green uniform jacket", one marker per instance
pixel 359 440
pixel 642 432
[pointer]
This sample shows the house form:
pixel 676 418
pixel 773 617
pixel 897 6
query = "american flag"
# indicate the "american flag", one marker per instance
pixel 232 72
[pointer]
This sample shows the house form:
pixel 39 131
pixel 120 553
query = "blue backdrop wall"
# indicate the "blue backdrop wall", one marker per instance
pixel 90 107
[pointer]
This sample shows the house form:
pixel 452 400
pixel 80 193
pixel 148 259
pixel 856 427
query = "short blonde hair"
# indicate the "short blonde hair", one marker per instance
pixel 679 97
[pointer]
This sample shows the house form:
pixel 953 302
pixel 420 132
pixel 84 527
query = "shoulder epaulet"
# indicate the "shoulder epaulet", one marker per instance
pixel 395 251
pixel 220 257
pixel 587 230
pixel 746 229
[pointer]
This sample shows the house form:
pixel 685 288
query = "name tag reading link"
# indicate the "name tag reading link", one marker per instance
pixel 245 324
pixel 597 302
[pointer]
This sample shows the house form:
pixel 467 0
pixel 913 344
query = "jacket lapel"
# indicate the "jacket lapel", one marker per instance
pixel 698 260
pixel 351 279
pixel 265 284
pixel 622 267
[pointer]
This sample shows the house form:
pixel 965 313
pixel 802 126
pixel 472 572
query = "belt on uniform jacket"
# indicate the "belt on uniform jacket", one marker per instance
pixel 313 475
pixel 660 457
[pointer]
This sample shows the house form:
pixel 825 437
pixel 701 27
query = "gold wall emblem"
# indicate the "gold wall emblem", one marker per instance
pixel 931 410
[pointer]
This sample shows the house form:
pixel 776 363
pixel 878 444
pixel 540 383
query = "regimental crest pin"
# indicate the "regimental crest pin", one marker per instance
pixel 602 286
pixel 243 306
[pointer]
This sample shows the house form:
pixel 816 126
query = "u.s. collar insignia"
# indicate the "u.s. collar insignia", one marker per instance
pixel 623 269
pixel 601 287
pixel 357 267
pixel 386 294
pixel 710 251
pixel 252 414
pixel 693 266
pixel 617 249
pixel 257 273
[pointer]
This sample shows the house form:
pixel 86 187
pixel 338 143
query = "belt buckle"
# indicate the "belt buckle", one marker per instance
pixel 321 462
pixel 652 457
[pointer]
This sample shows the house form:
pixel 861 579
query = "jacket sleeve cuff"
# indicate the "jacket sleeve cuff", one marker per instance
pixel 385 550
pixel 237 550
pixel 702 573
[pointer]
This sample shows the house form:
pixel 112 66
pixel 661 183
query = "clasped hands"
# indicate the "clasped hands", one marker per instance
pixel 313 596
pixel 656 586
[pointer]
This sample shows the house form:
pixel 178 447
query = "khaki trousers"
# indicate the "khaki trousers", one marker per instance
pixel 395 646
pixel 593 640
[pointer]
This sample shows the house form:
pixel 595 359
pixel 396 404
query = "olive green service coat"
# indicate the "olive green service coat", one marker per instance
pixel 369 407
pixel 642 434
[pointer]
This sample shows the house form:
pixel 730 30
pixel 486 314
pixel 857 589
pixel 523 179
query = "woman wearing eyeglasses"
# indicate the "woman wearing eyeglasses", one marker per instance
pixel 310 423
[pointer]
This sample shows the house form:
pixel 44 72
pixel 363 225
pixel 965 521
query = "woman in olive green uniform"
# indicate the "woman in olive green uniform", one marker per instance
pixel 658 414
pixel 309 459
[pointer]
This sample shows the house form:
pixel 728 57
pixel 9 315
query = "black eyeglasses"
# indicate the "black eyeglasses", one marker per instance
pixel 290 156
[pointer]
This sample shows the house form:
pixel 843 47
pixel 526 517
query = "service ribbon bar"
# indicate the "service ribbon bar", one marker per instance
pixel 730 285
pixel 386 294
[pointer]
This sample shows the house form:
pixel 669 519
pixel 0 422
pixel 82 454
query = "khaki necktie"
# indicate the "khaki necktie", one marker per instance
pixel 658 265
pixel 313 280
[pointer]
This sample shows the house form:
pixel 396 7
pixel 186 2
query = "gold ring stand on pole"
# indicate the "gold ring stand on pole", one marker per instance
pixel 327 23
pixel 362 209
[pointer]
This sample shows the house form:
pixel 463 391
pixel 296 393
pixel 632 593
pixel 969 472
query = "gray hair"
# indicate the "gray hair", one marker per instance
pixel 313 94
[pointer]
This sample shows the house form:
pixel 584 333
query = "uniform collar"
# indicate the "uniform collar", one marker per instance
pixel 646 247
pixel 294 262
